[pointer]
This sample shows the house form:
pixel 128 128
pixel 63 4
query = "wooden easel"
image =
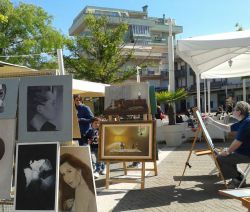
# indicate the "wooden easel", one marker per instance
pixel 201 129
pixel 142 169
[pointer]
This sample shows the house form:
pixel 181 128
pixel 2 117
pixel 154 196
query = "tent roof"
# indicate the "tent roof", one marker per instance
pixel 89 89
pixel 210 54
pixel 85 88
pixel 12 70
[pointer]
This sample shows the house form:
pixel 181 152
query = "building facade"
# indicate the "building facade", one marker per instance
pixel 149 38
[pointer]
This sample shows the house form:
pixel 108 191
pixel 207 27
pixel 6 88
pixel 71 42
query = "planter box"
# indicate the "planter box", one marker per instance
pixel 174 135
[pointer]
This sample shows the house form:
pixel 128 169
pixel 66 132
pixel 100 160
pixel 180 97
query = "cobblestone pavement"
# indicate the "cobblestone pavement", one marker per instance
pixel 197 192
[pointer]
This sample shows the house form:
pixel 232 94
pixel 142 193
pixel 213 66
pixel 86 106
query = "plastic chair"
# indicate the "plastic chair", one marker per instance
pixel 246 172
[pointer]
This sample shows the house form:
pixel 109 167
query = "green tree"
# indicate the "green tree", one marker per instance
pixel 101 56
pixel 170 98
pixel 26 29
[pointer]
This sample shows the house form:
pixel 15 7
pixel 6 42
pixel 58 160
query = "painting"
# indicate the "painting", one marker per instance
pixel 8 97
pixel 36 178
pixel 127 140
pixel 77 187
pixel 45 109
pixel 127 99
pixel 7 143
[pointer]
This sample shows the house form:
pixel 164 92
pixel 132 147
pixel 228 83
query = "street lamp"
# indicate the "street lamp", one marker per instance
pixel 138 68
pixel 171 80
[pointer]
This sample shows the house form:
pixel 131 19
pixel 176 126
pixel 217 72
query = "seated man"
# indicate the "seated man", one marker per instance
pixel 239 150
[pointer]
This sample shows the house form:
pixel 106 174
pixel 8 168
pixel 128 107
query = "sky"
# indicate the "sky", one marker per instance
pixel 197 17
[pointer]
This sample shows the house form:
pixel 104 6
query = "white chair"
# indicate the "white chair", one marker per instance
pixel 246 172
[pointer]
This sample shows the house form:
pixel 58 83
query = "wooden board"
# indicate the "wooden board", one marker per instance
pixel 236 193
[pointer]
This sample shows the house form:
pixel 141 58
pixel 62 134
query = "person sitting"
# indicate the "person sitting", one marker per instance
pixel 239 150
pixel 179 118
pixel 159 114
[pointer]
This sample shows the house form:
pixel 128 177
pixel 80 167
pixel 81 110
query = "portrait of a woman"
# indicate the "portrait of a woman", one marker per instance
pixel 76 185
pixel 36 177
pixel 42 110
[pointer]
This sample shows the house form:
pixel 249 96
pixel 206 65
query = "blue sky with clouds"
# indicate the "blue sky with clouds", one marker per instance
pixel 198 17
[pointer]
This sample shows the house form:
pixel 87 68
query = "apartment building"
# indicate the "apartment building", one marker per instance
pixel 149 37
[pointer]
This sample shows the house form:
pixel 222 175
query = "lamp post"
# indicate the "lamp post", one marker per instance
pixel 171 80
pixel 138 68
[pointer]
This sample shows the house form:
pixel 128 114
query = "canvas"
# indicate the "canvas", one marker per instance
pixel 7 143
pixel 77 188
pixel 36 178
pixel 204 129
pixel 45 109
pixel 127 99
pixel 127 140
pixel 8 97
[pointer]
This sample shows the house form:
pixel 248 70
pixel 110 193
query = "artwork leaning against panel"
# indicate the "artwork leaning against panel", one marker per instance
pixel 36 179
pixel 45 109
pixel 7 143
pixel 8 97
pixel 129 99
pixel 77 187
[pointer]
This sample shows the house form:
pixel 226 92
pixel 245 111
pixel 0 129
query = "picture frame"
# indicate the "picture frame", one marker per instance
pixel 36 176
pixel 45 109
pixel 8 97
pixel 76 160
pixel 127 141
pixel 7 145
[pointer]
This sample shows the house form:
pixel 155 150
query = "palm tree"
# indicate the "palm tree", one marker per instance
pixel 170 98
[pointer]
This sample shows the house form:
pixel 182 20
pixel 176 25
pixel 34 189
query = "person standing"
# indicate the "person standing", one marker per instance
pixel 93 140
pixel 85 116
pixel 239 150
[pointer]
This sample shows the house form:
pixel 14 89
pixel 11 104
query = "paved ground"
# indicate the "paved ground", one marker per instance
pixel 197 192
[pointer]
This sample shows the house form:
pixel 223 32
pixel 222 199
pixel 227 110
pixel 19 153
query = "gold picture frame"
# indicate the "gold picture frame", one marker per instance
pixel 127 141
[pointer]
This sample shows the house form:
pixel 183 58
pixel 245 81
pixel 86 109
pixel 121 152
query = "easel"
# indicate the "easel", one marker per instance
pixel 202 129
pixel 142 169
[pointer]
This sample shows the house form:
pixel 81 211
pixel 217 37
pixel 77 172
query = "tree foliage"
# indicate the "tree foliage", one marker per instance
pixel 26 29
pixel 101 56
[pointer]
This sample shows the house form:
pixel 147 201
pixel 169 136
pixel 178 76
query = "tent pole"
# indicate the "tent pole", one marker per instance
pixel 244 90
pixel 205 97
pixel 198 92
pixel 208 96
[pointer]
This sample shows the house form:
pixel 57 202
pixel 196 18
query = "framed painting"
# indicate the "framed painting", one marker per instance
pixel 7 144
pixel 129 141
pixel 45 109
pixel 129 99
pixel 8 97
pixel 36 178
pixel 77 187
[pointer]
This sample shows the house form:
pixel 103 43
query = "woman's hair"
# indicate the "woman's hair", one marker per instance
pixel 78 164
pixel 243 107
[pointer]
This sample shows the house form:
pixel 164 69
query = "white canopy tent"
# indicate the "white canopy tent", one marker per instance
pixel 217 56
pixel 85 88
pixel 89 89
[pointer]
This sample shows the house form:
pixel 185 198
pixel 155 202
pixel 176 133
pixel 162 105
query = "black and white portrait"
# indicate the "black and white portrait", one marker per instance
pixel 2 96
pixel 45 109
pixel 7 143
pixel 36 178
pixel 2 148
pixel 8 97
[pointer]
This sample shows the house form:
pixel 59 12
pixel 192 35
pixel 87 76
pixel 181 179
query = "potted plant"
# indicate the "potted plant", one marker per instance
pixel 172 133
pixel 170 98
